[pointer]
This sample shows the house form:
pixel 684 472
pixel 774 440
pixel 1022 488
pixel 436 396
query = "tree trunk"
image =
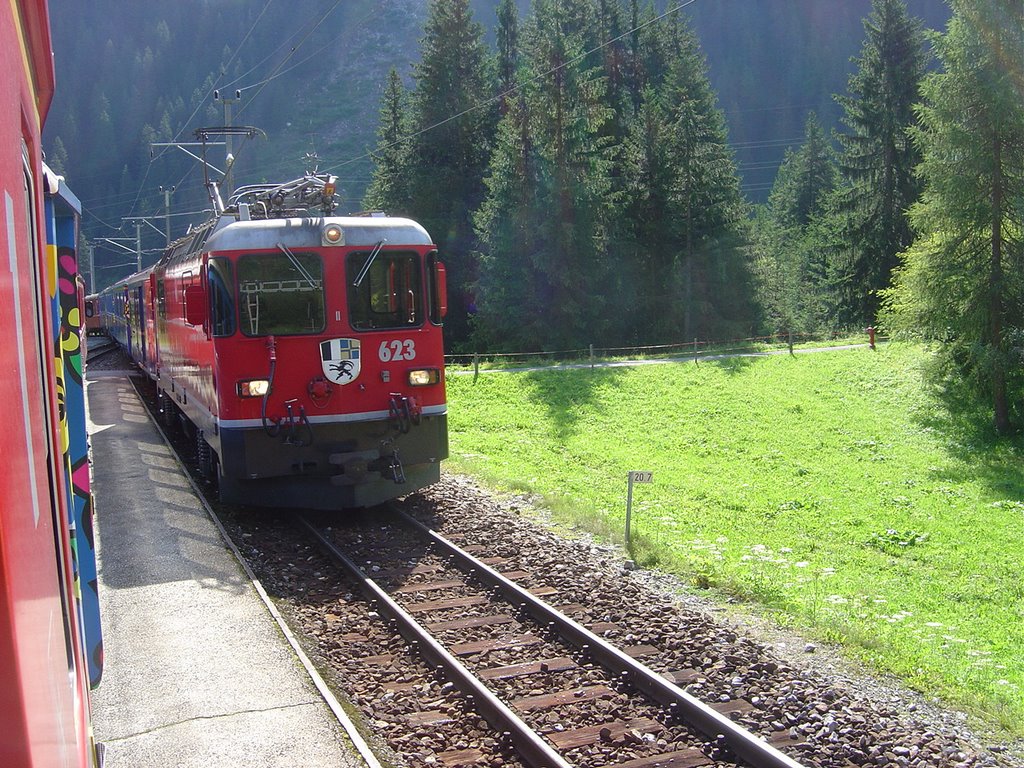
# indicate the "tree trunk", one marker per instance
pixel 1000 401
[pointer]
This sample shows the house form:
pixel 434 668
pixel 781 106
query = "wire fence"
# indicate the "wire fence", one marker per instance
pixel 696 349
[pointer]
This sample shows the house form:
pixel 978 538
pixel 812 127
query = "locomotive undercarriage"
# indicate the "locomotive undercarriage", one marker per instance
pixel 331 466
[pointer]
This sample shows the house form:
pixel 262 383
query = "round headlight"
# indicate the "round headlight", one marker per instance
pixel 333 235
pixel 422 377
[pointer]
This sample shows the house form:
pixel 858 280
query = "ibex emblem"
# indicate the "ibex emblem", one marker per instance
pixel 340 360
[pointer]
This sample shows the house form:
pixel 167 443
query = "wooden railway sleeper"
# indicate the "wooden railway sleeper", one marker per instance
pixel 534 750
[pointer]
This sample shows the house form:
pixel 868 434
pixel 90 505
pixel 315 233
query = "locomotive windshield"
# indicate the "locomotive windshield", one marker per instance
pixel 280 293
pixel 389 294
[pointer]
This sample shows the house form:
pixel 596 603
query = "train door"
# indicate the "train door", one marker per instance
pixel 139 326
pixel 125 321
pixel 150 332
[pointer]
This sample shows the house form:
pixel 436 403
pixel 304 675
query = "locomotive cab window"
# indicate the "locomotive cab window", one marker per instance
pixel 389 293
pixel 280 293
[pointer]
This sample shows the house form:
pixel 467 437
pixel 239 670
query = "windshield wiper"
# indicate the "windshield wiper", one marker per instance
pixel 295 263
pixel 369 262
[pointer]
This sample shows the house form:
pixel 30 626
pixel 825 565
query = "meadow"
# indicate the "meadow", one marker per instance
pixel 840 493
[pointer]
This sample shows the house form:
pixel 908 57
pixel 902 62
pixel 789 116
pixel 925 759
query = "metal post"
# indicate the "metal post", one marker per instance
pixel 229 156
pixel 138 246
pixel 167 212
pixel 92 267
pixel 629 507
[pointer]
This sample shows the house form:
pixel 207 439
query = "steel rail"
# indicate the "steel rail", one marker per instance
pixel 530 746
pixel 681 704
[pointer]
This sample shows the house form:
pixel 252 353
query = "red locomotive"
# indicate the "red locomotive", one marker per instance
pixel 302 349
pixel 48 608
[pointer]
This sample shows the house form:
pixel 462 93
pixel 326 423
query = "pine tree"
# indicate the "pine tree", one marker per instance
pixel 556 137
pixel 805 178
pixel 508 50
pixel 790 250
pixel 706 197
pixel 651 249
pixel 573 170
pixel 514 295
pixel 57 158
pixel 389 188
pixel 453 123
pixel 962 281
pixel 878 159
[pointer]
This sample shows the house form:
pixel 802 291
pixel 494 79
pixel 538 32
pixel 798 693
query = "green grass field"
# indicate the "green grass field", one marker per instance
pixel 836 491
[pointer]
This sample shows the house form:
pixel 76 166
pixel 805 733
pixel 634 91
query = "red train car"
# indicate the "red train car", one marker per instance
pixel 91 308
pixel 44 685
pixel 304 350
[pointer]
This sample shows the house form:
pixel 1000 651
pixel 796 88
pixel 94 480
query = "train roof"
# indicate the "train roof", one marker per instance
pixel 307 232
pixel 129 282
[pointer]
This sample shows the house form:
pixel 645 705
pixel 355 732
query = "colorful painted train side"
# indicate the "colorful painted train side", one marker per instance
pixel 51 651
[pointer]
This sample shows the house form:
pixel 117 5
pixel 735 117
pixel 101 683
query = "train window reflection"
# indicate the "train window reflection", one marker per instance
pixel 389 295
pixel 280 293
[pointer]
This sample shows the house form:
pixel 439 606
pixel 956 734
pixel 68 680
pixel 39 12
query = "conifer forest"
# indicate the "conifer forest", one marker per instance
pixel 616 173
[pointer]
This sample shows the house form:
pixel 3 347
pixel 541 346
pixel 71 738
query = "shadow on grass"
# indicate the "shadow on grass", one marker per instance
pixel 568 394
pixel 734 366
pixel 965 425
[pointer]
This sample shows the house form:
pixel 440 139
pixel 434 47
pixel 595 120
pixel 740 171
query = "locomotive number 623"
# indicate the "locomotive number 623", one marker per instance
pixel 394 351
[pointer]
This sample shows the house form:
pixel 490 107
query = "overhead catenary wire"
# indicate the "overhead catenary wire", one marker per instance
pixel 222 70
pixel 201 102
pixel 284 61
pixel 369 155
pixel 518 86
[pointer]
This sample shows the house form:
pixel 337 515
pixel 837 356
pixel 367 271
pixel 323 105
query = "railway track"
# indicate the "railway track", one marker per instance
pixel 558 692
pixel 415 714
pixel 99 348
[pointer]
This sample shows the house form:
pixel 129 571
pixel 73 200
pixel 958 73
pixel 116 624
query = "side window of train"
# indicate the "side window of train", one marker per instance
pixel 221 279
pixel 390 294
pixel 437 293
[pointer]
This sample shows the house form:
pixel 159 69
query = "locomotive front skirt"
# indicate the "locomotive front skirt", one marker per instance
pixel 305 353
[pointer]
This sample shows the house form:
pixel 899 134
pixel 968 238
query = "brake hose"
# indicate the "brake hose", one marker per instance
pixel 271 427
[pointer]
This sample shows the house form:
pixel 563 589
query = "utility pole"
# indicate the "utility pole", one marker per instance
pixel 168 191
pixel 230 158
pixel 138 246
pixel 204 134
pixel 89 251
pixel 138 221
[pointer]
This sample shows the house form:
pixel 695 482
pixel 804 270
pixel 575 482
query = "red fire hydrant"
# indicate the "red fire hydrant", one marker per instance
pixel 871 336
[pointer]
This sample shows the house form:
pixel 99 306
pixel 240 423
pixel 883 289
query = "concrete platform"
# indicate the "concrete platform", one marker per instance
pixel 197 672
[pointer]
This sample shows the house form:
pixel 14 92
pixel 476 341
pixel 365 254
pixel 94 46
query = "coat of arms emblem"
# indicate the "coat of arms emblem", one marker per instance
pixel 340 358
